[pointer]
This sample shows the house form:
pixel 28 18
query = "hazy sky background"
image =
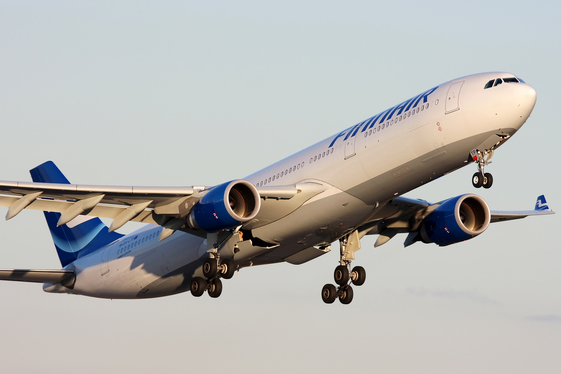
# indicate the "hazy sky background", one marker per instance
pixel 184 92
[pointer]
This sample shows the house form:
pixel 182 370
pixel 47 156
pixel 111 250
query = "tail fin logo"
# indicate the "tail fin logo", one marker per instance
pixel 541 203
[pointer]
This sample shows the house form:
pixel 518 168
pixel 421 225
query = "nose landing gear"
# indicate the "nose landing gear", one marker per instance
pixel 481 179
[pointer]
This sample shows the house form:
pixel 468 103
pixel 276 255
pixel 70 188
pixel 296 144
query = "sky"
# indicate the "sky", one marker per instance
pixel 181 93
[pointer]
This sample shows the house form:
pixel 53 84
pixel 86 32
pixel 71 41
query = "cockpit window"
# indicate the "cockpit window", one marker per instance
pixel 496 82
pixel 510 80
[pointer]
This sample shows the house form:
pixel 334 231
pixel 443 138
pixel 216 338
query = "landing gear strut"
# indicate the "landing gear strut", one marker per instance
pixel 342 275
pixel 481 179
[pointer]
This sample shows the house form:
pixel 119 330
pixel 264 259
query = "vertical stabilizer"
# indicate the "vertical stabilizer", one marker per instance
pixel 78 237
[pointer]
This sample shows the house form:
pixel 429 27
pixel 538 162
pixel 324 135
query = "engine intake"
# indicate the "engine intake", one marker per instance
pixel 457 219
pixel 225 206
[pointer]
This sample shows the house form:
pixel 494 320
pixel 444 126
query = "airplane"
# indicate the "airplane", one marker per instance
pixel 340 189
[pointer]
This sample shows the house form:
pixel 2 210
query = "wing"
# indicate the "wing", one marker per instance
pixel 166 206
pixel 541 208
pixel 125 203
pixel 404 215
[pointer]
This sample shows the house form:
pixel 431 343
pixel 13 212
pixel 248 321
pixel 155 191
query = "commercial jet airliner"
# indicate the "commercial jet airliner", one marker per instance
pixel 340 189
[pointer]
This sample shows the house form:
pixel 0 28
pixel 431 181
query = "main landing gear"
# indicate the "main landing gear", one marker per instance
pixel 481 179
pixel 213 270
pixel 343 276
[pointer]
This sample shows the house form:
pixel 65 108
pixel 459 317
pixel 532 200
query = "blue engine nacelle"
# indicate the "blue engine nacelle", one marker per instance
pixel 457 219
pixel 225 206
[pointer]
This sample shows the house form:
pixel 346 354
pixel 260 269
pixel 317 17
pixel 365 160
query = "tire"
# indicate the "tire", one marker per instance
pixel 477 180
pixel 230 269
pixel 341 275
pixel 328 293
pixel 198 286
pixel 347 296
pixel 215 289
pixel 487 180
pixel 358 275
pixel 210 268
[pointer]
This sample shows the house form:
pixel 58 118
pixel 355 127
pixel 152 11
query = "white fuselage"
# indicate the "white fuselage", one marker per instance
pixel 361 167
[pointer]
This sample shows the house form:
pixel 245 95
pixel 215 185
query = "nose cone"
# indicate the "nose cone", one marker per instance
pixel 525 98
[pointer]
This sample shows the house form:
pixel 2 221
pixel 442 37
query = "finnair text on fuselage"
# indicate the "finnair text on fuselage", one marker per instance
pixel 383 116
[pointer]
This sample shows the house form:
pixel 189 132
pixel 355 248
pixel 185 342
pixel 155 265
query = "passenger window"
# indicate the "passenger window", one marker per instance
pixel 498 81
pixel 490 84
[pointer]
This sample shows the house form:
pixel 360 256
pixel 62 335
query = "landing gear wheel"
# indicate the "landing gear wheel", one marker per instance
pixel 230 269
pixel 477 180
pixel 210 268
pixel 487 180
pixel 328 293
pixel 346 295
pixel 198 286
pixel 358 276
pixel 341 275
pixel 215 288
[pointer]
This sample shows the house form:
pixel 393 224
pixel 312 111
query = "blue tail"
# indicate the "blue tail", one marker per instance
pixel 78 237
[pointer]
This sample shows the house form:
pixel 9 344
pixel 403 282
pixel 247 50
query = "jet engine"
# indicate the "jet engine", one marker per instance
pixel 225 206
pixel 457 219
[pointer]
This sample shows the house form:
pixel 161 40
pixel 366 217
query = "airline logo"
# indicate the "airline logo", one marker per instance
pixel 541 204
pixel 384 116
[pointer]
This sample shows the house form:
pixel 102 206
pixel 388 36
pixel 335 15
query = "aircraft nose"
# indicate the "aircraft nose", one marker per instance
pixel 523 99
pixel 526 98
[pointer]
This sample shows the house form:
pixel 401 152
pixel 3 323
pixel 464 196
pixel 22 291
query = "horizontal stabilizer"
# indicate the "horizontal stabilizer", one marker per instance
pixel 64 277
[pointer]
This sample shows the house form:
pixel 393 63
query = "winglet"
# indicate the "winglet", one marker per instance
pixel 541 203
